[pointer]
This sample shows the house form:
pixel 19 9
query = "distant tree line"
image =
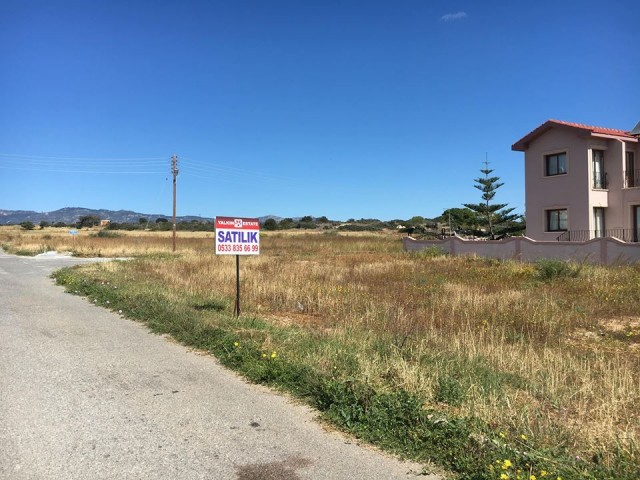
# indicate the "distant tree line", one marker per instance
pixel 163 225
pixel 463 221
pixel 160 224
pixel 352 225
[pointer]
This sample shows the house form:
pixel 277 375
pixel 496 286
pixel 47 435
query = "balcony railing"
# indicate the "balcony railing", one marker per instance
pixel 632 178
pixel 624 234
pixel 600 180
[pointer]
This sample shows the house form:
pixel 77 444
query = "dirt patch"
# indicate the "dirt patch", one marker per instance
pixel 610 334
pixel 623 324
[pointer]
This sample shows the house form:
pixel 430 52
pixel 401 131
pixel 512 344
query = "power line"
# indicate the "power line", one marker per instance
pixel 54 170
pixel 35 163
pixel 136 166
pixel 80 158
pixel 217 168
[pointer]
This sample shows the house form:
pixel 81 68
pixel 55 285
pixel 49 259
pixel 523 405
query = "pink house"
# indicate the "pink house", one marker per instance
pixel 581 182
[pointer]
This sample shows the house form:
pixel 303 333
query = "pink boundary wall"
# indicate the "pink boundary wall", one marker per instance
pixel 608 251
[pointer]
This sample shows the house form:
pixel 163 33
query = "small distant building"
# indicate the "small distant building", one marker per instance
pixel 104 223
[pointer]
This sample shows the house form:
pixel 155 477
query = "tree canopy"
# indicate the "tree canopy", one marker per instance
pixel 88 221
pixel 460 219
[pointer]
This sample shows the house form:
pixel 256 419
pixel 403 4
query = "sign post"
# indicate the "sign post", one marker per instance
pixel 237 236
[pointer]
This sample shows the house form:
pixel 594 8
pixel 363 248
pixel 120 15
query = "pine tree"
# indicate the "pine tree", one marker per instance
pixel 492 215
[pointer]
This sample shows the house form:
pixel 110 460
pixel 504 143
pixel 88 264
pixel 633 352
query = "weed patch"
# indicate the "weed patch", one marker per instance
pixel 548 270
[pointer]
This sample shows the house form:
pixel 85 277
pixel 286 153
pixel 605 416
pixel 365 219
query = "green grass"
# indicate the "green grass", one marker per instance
pixel 377 411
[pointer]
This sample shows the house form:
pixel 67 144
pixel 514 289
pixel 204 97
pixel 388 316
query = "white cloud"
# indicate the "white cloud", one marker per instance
pixel 449 17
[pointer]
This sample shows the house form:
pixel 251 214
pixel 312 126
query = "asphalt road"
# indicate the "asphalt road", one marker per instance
pixel 86 394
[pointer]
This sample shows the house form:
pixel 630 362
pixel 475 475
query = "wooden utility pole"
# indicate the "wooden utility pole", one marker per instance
pixel 174 171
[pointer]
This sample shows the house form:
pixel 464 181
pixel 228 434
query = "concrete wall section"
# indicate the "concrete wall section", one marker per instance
pixel 578 251
pixel 601 250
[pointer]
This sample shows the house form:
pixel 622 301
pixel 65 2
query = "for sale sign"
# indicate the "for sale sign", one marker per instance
pixel 237 236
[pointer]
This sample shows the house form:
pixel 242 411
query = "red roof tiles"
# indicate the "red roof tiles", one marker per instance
pixel 522 144
pixel 606 131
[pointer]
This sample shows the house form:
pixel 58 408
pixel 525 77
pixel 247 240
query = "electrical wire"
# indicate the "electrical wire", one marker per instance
pixel 101 159
pixel 35 163
pixel 138 166
pixel 233 171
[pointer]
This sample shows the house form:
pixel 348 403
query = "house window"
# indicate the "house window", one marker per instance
pixel 557 220
pixel 599 176
pixel 555 164
pixel 631 175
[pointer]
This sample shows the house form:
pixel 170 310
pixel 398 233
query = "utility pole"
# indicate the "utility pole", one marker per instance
pixel 174 172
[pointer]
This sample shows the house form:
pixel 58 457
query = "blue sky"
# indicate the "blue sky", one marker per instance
pixel 347 109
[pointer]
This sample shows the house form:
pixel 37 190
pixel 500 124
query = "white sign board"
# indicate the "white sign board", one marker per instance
pixel 237 236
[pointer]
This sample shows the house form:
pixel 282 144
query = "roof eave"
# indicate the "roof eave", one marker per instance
pixel 523 144
pixel 614 137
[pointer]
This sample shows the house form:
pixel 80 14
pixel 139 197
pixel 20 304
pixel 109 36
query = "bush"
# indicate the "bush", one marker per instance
pixel 361 228
pixel 270 224
pixel 306 225
pixel 27 225
pixel 107 234
pixel 432 252
pixel 88 221
pixel 550 269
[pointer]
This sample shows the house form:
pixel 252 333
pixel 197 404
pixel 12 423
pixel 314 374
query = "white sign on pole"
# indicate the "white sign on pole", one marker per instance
pixel 237 236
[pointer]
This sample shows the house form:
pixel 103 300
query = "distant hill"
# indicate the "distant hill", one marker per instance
pixel 71 215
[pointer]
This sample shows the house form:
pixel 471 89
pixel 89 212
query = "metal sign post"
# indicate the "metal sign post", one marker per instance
pixel 236 309
pixel 237 236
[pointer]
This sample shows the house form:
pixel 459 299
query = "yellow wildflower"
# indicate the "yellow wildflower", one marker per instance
pixel 274 354
pixel 504 476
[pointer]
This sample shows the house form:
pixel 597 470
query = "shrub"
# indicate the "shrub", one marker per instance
pixel 270 224
pixel 550 269
pixel 431 252
pixel 107 234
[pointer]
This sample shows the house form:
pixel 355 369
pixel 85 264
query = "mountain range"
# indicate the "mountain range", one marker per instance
pixel 71 215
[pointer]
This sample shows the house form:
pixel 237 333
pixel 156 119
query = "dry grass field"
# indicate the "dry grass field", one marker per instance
pixel 545 354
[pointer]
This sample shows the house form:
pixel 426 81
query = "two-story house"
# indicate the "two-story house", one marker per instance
pixel 581 182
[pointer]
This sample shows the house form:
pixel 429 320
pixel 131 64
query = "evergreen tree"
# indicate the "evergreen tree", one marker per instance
pixel 491 215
